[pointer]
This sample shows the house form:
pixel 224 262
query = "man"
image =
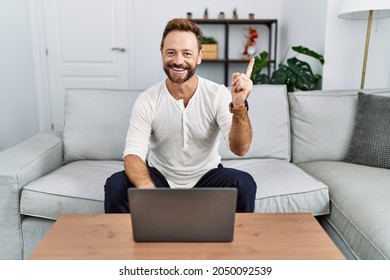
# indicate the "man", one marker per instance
pixel 173 135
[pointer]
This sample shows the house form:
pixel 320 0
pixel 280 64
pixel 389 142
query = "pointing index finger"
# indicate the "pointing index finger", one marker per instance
pixel 249 69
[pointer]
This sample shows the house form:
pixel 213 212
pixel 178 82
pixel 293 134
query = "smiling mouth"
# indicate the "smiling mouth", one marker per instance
pixel 178 69
pixel 178 73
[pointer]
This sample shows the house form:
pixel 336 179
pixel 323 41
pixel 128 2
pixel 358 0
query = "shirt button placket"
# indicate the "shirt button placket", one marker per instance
pixel 185 132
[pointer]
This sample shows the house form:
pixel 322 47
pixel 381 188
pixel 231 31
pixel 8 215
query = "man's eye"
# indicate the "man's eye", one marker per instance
pixel 170 53
pixel 187 54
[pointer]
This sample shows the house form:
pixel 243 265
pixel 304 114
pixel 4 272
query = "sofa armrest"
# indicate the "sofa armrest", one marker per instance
pixel 20 165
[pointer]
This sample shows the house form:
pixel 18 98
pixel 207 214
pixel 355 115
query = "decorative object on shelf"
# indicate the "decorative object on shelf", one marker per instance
pixel 189 15
pixel 206 14
pixel 221 15
pixel 235 15
pixel 296 74
pixel 210 48
pixel 361 9
pixel 250 46
pixel 251 16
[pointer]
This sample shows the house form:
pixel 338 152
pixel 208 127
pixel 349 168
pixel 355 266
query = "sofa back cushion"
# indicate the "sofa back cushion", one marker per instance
pixel 96 123
pixel 269 114
pixel 322 123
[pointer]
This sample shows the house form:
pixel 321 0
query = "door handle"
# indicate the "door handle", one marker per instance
pixel 118 49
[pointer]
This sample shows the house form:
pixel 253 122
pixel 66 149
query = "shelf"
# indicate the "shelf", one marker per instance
pixel 271 24
pixel 235 21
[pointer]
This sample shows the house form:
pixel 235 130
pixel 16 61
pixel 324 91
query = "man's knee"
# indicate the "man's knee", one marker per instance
pixel 115 193
pixel 244 180
pixel 246 187
pixel 249 183
pixel 116 182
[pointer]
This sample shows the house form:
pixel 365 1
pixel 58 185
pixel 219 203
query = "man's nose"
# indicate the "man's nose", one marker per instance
pixel 178 59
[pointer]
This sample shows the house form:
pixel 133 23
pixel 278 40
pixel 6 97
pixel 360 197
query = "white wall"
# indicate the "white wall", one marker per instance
pixel 18 100
pixel 344 51
pixel 303 24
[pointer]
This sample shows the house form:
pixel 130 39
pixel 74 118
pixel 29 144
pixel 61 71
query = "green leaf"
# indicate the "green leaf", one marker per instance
pixel 261 61
pixel 295 75
pixel 262 79
pixel 282 75
pixel 209 40
pixel 301 74
pixel 308 52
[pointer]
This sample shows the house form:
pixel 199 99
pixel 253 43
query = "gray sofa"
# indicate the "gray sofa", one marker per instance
pixel 300 142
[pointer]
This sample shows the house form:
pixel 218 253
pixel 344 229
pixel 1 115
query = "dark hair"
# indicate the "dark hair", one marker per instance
pixel 182 24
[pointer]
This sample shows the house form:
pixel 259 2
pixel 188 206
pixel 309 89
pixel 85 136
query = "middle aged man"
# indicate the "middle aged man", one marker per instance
pixel 173 136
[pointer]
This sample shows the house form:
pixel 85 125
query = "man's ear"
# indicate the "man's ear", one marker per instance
pixel 200 56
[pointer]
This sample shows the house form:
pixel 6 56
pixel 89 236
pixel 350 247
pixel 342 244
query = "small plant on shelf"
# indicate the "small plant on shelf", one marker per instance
pixel 210 48
pixel 206 13
pixel 235 15
pixel 221 15
pixel 209 40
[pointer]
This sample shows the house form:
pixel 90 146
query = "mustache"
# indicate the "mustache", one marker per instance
pixel 179 66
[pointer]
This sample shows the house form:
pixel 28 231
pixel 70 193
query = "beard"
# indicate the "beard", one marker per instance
pixel 179 78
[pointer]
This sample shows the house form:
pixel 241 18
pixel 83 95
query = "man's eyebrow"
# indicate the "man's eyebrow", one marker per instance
pixel 181 50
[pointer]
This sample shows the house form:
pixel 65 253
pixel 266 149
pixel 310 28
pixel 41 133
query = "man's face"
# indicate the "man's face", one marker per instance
pixel 180 56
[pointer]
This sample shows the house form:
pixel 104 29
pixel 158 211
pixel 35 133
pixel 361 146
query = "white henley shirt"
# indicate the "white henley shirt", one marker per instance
pixel 181 142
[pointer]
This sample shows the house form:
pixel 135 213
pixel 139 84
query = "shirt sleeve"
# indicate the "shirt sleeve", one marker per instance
pixel 140 127
pixel 224 117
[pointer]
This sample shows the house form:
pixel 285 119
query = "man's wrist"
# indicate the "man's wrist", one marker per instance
pixel 146 187
pixel 239 110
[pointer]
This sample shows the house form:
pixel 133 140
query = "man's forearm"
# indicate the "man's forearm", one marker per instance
pixel 137 172
pixel 240 137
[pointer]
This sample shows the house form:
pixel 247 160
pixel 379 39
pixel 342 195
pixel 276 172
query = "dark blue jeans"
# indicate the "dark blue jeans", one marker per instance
pixel 115 189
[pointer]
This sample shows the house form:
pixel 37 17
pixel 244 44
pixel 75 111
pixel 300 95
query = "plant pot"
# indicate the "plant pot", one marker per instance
pixel 210 51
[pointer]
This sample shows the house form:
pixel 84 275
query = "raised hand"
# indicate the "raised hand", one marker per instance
pixel 242 85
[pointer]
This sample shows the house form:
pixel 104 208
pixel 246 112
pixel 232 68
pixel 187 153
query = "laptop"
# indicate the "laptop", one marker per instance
pixel 183 215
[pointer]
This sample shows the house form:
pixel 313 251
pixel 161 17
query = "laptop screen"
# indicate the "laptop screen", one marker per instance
pixel 183 215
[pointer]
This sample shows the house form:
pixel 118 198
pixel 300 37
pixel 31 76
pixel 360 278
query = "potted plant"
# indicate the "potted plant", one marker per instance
pixel 295 74
pixel 210 48
pixel 235 15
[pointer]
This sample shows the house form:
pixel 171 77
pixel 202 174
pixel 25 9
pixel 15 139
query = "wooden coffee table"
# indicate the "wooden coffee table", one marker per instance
pixel 257 236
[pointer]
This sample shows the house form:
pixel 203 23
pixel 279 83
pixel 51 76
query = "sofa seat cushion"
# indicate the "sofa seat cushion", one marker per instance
pixel 360 205
pixel 77 187
pixel 283 187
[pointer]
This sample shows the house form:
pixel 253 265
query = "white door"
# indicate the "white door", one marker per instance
pixel 87 47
